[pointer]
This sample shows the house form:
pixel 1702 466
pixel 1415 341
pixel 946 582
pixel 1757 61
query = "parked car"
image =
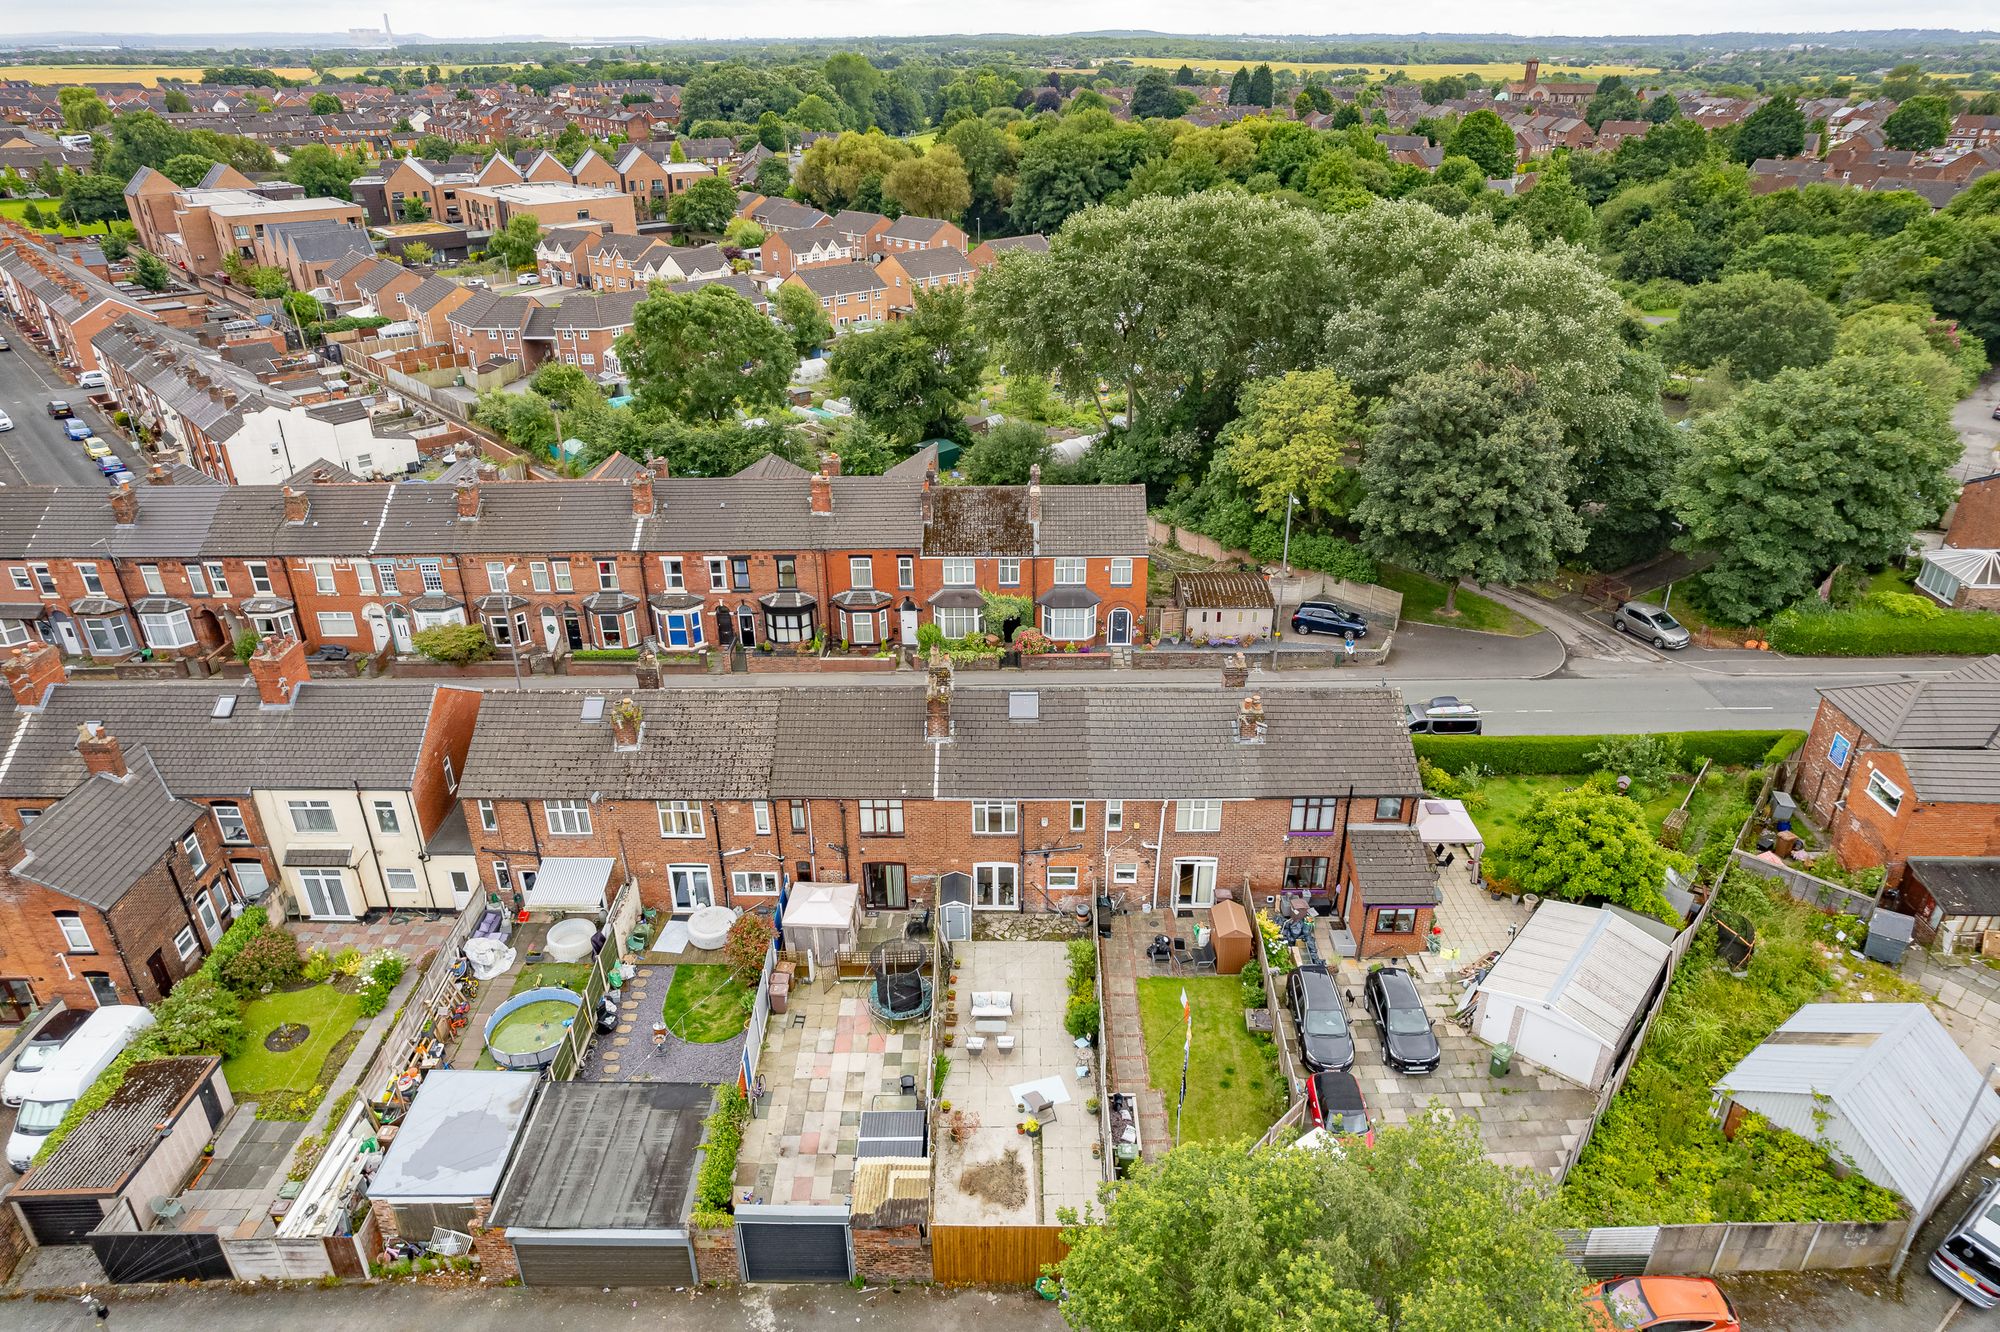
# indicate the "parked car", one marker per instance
pixel 1642 619
pixel 6 421
pixel 117 476
pixel 76 430
pixel 1324 1040
pixel 37 1052
pixel 93 379
pixel 95 447
pixel 111 464
pixel 1666 1303
pixel 108 1030
pixel 1335 1104
pixel 1443 715
pixel 6 345
pixel 1996 410
pixel 59 409
pixel 1968 1260
pixel 1326 617
pixel 1409 1045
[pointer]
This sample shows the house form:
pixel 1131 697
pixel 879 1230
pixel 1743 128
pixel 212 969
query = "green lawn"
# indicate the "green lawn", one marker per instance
pixel 17 209
pixel 706 1003
pixel 569 975
pixel 327 1013
pixel 1423 601
pixel 1232 1080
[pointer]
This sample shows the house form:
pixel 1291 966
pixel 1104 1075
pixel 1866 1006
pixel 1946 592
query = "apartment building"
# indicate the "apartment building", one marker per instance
pixel 1006 799
pixel 551 204
pixel 196 229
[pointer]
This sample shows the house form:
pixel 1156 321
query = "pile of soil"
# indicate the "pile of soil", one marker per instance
pixel 1002 1182
pixel 287 1036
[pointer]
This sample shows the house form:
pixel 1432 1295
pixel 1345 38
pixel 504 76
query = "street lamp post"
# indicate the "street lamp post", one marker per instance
pixel 1290 502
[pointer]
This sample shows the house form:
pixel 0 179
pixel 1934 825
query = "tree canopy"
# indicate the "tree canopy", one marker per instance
pixel 909 380
pixel 1760 324
pixel 702 355
pixel 1591 844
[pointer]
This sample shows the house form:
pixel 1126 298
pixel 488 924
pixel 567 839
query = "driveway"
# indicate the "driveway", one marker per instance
pixel 1977 430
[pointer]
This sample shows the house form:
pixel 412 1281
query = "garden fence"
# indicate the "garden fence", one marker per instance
pixel 760 1018
pixel 619 923
pixel 396 1052
pixel 1733 1246
pixel 1809 889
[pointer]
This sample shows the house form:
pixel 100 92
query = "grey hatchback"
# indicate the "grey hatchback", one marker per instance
pixel 1644 620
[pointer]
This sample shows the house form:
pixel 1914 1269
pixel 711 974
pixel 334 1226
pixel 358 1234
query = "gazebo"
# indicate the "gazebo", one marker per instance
pixel 822 919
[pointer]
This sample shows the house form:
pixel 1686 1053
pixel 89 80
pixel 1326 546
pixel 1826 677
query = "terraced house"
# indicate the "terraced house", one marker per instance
pixel 771 555
pixel 1002 800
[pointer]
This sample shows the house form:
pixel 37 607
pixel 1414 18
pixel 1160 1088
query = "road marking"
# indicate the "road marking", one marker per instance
pixel 1950 1314
pixel 1743 707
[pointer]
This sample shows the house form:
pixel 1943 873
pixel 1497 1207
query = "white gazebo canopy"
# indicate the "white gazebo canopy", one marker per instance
pixel 570 883
pixel 1445 823
pixel 822 918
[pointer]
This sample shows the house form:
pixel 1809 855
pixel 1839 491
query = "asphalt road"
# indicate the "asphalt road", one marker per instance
pixel 35 451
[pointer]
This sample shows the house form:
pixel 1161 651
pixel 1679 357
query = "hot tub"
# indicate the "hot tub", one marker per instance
pixel 569 940
pixel 709 927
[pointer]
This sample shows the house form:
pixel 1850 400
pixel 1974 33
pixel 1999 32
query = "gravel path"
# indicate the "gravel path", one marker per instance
pixel 629 1055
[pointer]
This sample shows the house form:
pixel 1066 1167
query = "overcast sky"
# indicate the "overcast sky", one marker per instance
pixel 823 18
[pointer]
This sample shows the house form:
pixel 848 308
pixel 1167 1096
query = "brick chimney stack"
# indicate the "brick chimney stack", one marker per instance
pixel 159 474
pixel 101 752
pixel 930 481
pixel 1235 671
pixel 661 470
pixel 1250 719
pixel 937 698
pixel 642 495
pixel 124 505
pixel 468 501
pixel 830 464
pixel 297 506
pixel 822 490
pixel 487 471
pixel 31 672
pixel 1035 493
pixel 626 722
pixel 279 668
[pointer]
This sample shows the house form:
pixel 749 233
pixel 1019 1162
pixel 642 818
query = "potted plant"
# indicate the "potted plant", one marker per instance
pixel 1032 1127
pixel 1091 1105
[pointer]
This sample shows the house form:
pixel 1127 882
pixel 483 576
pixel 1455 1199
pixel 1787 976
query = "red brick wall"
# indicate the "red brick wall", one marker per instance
pixel 448 735
pixel 1820 785
pixel 715 1258
pixel 895 1253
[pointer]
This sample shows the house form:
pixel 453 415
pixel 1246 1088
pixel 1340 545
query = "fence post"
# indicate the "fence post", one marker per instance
pixel 1811 1244
pixel 1720 1245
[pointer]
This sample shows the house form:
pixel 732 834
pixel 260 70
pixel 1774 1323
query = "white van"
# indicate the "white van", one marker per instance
pixel 88 1053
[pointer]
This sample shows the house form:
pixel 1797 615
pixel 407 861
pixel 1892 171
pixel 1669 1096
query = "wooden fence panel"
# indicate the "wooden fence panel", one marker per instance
pixel 993 1255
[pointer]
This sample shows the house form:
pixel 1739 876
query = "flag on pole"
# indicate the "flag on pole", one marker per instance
pixel 1187 1048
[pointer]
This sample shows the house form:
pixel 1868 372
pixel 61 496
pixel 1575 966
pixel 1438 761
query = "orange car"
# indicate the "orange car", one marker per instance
pixel 1682 1304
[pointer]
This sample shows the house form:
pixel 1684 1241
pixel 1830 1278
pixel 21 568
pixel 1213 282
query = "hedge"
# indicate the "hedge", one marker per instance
pixel 1543 755
pixel 715 1182
pixel 1877 633
pixel 605 654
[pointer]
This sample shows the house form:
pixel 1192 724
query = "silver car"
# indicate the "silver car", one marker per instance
pixel 1644 620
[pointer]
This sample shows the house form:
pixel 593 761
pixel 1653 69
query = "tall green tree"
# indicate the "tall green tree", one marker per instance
pixel 1262 91
pixel 1419 1231
pixel 1814 469
pixel 1297 437
pixel 1003 455
pixel 1590 844
pixel 1239 86
pixel 1624 467
pixel 1920 123
pixel 1966 285
pixel 1662 108
pixel 321 172
pixel 187 169
pixel 87 199
pixel 1555 209
pixel 177 102
pixel 1760 324
pixel 1467 476
pixel 801 314
pixel 1775 129
pixel 1487 140
pixel 910 380
pixel 82 109
pixel 702 355
pixel 514 244
pixel 150 272
pixel 1613 100
pixel 707 205
pixel 324 104
pixel 934 185
pixel 1153 96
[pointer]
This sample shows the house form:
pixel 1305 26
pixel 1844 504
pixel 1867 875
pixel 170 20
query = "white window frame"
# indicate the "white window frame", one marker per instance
pixel 75 933
pixel 323 580
pixel 433 575
pixel 1204 895
pixel 906 572
pixel 958 621
pixel 1079 815
pixel 385 575
pixel 861 571
pixel 672 573
pixel 489 817
pixel 197 580
pixel 225 816
pixel 1125 871
pixel 959 571
pixel 680 818
pixel 1201 815
pixel 1070 569
pixel 218 578
pixel 718 572
pixel 1878 785
pixel 311 809
pixel 1121 571
pixel 387 821
pixel 1114 816
pixel 197 860
pixel 336 624
pixel 881 818
pixel 754 883
pixel 538 575
pixel 409 886
pixel 1009 573
pixel 1013 883
pixel 1000 818
pixel 559 570
pixel 185 946
pixel 169 629
pixel 574 820
pixel 496 576
pixel 607 575
pixel 91 582
pixel 1069 624
pixel 13 633
pixel 1065 878
pixel 149 578
pixel 364 578
pixel 260 577
pixel 760 813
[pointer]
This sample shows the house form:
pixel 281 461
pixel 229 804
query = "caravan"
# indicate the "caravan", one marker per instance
pixel 45 1100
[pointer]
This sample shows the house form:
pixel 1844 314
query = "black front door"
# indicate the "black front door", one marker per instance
pixel 573 630
pixel 163 979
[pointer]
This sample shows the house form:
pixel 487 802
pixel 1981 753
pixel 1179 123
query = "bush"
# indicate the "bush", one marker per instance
pixel 348 961
pixel 715 1182
pixel 200 1016
pixel 605 654
pixel 1649 760
pixel 242 930
pixel 1904 605
pixel 1872 630
pixel 269 959
pixel 1081 1016
pixel 743 950
pixel 383 969
pixel 1436 781
pixel 454 644
pixel 1253 988
pixel 319 965
pixel 1545 755
pixel 929 636
pixel 1784 747
pixel 1082 966
pixel 245 646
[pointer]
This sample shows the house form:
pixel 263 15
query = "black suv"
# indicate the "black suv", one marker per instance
pixel 1324 1040
pixel 1409 1045
pixel 1325 617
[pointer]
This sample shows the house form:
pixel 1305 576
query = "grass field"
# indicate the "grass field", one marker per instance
pixel 17 208
pixel 328 1015
pixel 1489 71
pixel 705 1003
pixel 150 75
pixel 1230 1075
pixel 1423 601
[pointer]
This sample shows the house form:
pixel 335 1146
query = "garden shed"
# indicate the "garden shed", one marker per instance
pixel 1228 605
pixel 1883 1085
pixel 822 919
pixel 599 1192
pixel 1568 992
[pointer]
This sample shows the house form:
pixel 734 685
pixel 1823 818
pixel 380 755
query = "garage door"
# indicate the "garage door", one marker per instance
pixel 1558 1048
pixel 669 1263
pixel 798 1251
pixel 62 1220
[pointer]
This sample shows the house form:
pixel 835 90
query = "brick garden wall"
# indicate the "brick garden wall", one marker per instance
pixel 715 1260
pixel 897 1253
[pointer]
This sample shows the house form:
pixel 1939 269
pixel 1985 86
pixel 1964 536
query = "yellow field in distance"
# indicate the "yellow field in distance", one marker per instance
pixel 150 75
pixel 1489 71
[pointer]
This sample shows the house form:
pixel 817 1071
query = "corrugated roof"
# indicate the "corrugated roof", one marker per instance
pixel 111 1145
pixel 1888 1081
pixel 1586 963
pixel 605 1156
pixel 1223 589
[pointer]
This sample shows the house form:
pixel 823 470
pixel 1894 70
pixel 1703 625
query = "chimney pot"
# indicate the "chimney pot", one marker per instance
pixel 297 506
pixel 31 672
pixel 822 493
pixel 159 474
pixel 626 723
pixel 468 501
pixel 661 471
pixel 124 505
pixel 937 697
pixel 487 471
pixel 650 674
pixel 1235 671
pixel 830 464
pixel 279 668
pixel 1250 719
pixel 101 752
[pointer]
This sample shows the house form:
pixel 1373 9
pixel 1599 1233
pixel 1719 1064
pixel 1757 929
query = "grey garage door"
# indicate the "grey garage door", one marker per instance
pixel 797 1251
pixel 668 1263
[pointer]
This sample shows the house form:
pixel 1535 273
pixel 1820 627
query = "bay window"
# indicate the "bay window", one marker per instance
pixel 108 635
pixel 170 630
pixel 1070 624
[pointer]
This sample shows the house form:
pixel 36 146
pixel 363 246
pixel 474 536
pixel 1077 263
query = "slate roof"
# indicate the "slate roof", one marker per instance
pixel 1390 861
pixel 784 215
pixel 912 228
pixel 1034 242
pixel 1947 729
pixel 69 851
pixel 1129 742
pixel 941 261
pixel 825 280
pixel 605 1156
pixel 332 735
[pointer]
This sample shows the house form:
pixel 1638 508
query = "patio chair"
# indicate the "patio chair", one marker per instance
pixel 919 925
pixel 1002 1044
pixel 1160 950
pixel 1037 1104
pixel 975 1045
pixel 1204 958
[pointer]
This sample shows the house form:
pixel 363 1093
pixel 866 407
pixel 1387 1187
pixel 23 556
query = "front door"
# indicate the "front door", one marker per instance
pixel 909 626
pixel 1118 629
pixel 573 631
pixel 1194 883
pixel 66 636
pixel 551 631
pixel 692 890
pixel 163 980
pixel 886 887
pixel 378 626
pixel 400 631
pixel 996 887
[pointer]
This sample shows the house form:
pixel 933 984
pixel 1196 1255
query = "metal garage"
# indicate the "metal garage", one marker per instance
pixel 600 1190
pixel 799 1243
